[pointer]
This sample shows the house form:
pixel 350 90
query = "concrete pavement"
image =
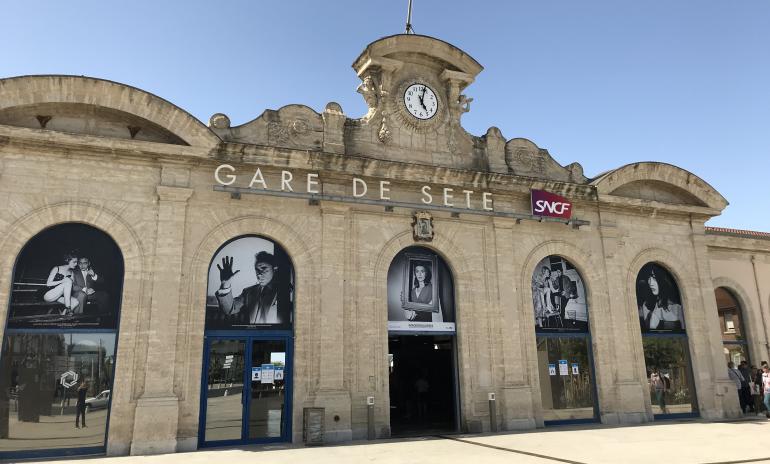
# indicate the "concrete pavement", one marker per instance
pixel 691 442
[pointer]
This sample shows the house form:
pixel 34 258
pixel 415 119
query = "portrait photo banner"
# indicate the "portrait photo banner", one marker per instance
pixel 250 286
pixel 69 276
pixel 420 293
pixel 659 301
pixel 558 297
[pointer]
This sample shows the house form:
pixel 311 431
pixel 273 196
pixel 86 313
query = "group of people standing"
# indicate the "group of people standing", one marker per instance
pixel 551 291
pixel 753 386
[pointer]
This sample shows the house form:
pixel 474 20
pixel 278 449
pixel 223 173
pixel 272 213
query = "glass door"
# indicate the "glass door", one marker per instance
pixel 246 390
pixel 224 382
pixel 267 395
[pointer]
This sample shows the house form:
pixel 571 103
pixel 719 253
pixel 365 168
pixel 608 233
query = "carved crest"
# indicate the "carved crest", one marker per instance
pixel 422 226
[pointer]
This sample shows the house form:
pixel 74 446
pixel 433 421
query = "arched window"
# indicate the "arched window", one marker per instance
pixel 246 382
pixel 664 337
pixel 732 327
pixel 421 343
pixel 58 354
pixel 565 361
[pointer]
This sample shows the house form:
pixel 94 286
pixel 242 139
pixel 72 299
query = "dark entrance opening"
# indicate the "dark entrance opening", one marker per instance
pixel 423 386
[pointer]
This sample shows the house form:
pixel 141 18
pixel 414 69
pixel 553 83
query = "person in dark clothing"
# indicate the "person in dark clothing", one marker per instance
pixel 743 368
pixel 81 405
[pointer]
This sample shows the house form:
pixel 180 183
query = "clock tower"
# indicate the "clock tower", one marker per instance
pixel 413 86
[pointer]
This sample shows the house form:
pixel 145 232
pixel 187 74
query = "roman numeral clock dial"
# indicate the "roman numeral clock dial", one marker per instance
pixel 420 101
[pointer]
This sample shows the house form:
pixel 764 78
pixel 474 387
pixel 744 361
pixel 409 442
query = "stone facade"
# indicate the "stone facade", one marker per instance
pixel 76 149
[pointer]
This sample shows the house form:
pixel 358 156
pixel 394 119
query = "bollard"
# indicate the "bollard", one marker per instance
pixel 370 418
pixel 492 413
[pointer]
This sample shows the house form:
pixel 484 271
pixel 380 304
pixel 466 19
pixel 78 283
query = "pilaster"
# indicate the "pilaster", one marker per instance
pixel 157 409
pixel 331 393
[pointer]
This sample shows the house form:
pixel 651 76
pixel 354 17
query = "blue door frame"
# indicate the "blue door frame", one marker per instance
pixel 690 376
pixel 594 390
pixel 248 337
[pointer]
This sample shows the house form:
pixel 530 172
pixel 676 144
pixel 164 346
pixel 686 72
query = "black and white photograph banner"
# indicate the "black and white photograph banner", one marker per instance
pixel 250 286
pixel 420 293
pixel 558 297
pixel 658 301
pixel 67 276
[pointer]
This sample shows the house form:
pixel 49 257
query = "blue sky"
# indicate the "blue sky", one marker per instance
pixel 603 83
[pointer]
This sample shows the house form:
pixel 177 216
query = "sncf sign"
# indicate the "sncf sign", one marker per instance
pixel 551 205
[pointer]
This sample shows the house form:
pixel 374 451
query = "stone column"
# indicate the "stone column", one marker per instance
pixel 331 393
pixel 517 412
pixel 630 391
pixel 717 394
pixel 157 410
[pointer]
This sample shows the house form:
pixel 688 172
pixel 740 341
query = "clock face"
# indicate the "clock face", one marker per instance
pixel 420 101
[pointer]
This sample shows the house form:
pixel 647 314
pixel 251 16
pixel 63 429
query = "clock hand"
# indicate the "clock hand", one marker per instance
pixel 422 99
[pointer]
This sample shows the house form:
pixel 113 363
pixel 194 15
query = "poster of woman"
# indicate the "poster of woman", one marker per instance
pixel 420 292
pixel 658 301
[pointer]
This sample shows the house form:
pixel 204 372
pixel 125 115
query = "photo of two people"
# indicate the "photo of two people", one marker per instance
pixel 70 275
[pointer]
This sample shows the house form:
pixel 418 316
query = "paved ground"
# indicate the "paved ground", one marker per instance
pixel 691 442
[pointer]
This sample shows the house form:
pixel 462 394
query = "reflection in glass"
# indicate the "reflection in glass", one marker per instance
pixel 268 359
pixel 224 395
pixel 566 390
pixel 735 353
pixel 669 375
pixel 45 380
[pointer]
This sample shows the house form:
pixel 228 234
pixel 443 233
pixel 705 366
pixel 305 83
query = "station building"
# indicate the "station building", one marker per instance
pixel 316 277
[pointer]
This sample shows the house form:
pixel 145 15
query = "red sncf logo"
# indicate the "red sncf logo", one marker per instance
pixel 551 205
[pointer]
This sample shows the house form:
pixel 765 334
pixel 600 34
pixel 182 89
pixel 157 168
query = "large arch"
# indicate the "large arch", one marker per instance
pixel 701 351
pixel 592 273
pixel 192 319
pixel 31 91
pixel 134 300
pixel 684 186
pixel 465 294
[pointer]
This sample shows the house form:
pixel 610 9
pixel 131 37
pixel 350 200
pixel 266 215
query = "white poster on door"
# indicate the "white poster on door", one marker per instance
pixel 563 368
pixel 268 373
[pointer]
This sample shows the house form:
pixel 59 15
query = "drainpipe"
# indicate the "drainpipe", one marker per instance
pixel 761 302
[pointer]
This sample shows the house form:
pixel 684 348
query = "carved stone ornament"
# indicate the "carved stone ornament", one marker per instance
pixel 384 134
pixel 368 89
pixel 282 132
pixel 464 104
pixel 422 226
pixel 219 121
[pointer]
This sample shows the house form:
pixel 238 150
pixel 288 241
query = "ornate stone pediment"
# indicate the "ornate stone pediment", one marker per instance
pixel 293 126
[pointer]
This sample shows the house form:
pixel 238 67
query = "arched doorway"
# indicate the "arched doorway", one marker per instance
pixel 246 381
pixel 421 344
pixel 664 338
pixel 735 345
pixel 58 356
pixel 565 357
pixel 733 330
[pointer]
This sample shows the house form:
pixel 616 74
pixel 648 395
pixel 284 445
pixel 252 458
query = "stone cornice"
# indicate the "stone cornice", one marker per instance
pixel 332 167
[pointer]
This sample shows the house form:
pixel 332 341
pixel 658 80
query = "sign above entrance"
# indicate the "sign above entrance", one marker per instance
pixel 550 205
pixel 456 200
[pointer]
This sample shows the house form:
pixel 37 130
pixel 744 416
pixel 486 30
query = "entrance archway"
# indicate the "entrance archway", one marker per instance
pixel 246 380
pixel 422 344
pixel 58 357
pixel 664 339
pixel 565 355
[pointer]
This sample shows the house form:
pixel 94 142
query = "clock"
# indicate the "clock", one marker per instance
pixel 420 101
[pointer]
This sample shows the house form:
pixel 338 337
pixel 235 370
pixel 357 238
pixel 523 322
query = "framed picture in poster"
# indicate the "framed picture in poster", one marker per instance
pixel 420 289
